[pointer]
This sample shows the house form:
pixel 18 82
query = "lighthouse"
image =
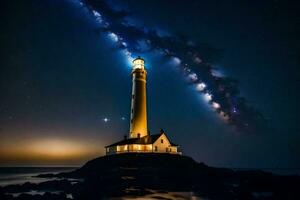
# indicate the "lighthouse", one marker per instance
pixel 138 119
pixel 139 140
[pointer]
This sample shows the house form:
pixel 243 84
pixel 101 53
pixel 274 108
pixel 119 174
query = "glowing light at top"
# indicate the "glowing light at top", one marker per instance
pixel 138 63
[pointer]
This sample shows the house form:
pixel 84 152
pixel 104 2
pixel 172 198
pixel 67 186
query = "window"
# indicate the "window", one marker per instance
pixel 167 149
pixel 138 135
pixel 161 141
pixel 133 96
pixel 155 148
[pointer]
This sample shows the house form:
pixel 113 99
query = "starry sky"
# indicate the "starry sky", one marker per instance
pixel 60 78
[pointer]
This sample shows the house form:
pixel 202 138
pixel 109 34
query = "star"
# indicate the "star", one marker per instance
pixel 106 119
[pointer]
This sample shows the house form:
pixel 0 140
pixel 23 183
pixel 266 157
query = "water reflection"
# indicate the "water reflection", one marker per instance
pixel 159 194
pixel 20 175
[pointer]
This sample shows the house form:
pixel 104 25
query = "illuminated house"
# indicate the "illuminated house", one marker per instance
pixel 139 139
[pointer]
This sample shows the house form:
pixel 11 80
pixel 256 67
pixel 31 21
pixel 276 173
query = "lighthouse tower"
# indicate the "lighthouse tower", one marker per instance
pixel 139 140
pixel 138 119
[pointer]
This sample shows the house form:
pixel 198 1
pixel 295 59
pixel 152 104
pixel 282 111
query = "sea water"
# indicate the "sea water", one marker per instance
pixel 20 175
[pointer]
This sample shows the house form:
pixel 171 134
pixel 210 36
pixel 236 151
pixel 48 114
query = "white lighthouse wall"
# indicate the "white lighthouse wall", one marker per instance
pixel 163 145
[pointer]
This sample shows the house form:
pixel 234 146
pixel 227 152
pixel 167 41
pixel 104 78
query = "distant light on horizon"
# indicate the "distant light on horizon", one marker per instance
pixel 49 151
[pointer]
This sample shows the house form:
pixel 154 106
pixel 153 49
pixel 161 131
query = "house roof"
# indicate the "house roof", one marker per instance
pixel 149 139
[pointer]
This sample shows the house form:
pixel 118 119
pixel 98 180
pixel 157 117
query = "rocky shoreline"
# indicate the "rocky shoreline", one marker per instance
pixel 143 174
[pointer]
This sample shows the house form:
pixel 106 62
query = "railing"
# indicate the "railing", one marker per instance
pixel 140 151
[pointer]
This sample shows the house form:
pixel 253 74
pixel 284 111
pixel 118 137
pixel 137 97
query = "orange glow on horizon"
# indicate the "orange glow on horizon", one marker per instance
pixel 48 151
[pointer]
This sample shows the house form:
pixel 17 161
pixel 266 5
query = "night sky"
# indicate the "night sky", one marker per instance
pixel 61 77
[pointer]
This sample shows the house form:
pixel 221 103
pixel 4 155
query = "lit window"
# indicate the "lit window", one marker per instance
pixel 138 63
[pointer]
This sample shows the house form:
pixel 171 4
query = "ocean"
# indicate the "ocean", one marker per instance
pixel 20 175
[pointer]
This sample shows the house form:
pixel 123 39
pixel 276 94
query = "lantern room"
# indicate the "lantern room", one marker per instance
pixel 138 63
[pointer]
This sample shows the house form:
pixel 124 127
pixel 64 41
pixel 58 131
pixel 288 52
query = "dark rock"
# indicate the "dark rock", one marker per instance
pixel 5 196
pixel 19 188
pixel 134 174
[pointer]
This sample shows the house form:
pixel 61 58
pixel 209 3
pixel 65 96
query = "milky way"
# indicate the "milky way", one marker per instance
pixel 193 60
